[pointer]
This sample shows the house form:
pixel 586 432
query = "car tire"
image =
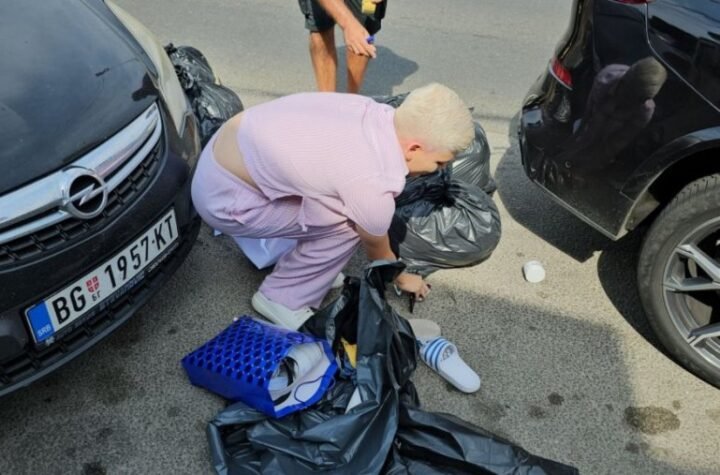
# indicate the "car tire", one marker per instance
pixel 670 271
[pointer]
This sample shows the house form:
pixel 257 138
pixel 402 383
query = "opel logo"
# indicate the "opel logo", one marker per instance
pixel 85 193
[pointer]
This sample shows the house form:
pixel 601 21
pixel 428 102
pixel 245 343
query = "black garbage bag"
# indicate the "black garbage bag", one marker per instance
pixel 190 65
pixel 442 223
pixel 472 165
pixel 212 103
pixel 386 433
pixel 394 101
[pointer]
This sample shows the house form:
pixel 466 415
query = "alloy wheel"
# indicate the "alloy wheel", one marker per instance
pixel 692 290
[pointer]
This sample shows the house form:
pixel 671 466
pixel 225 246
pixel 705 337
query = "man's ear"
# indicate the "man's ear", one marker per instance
pixel 414 147
pixel 409 147
pixel 411 150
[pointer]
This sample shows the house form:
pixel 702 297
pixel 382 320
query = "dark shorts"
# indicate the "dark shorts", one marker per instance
pixel 317 19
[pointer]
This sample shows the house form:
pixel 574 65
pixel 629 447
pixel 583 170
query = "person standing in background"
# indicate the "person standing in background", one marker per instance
pixel 358 28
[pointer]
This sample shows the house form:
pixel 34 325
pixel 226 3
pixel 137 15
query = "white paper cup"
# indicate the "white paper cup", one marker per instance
pixel 534 272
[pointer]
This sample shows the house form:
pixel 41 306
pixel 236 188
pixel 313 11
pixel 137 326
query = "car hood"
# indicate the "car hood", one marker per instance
pixel 70 77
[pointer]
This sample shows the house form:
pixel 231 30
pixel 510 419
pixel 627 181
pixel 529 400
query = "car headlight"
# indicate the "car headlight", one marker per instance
pixel 169 84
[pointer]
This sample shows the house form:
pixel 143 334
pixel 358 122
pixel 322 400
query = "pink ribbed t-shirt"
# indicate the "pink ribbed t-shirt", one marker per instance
pixel 338 152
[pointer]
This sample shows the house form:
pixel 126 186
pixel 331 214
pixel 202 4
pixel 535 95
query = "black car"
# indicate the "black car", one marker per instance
pixel 98 145
pixel 624 129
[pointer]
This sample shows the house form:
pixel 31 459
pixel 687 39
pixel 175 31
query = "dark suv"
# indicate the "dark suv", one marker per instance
pixel 98 144
pixel 623 129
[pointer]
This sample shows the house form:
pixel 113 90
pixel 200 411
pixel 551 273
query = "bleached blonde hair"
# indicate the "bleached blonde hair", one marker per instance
pixel 435 115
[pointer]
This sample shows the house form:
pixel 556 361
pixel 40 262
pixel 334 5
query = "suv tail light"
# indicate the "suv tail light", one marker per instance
pixel 561 73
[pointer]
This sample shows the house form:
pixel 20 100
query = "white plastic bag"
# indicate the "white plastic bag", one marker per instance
pixel 265 252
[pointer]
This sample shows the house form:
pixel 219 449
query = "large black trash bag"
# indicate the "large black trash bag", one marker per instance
pixel 387 432
pixel 190 65
pixel 443 223
pixel 471 165
pixel 212 103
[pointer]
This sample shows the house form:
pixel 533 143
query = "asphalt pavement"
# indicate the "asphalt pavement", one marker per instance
pixel 570 368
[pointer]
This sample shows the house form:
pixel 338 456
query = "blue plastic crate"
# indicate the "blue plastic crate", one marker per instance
pixel 239 363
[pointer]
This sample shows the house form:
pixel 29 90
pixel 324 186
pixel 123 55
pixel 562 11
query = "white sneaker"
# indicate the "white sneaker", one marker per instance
pixel 338 282
pixel 280 314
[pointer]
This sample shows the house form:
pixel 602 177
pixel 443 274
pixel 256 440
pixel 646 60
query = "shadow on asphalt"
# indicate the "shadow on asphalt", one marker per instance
pixel 556 384
pixel 383 74
pixel 537 212
pixel 553 383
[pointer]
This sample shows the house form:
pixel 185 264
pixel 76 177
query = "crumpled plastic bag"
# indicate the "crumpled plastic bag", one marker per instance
pixel 441 223
pixel 394 101
pixel 190 65
pixel 472 165
pixel 265 252
pixel 387 432
pixel 212 103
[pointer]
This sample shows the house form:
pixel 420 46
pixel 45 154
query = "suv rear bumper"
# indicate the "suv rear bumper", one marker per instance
pixel 556 179
pixel 569 148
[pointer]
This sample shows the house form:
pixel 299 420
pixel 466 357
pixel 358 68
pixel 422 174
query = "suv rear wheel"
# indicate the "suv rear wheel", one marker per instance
pixel 679 277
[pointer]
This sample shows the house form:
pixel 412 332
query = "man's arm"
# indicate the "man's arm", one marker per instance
pixel 356 36
pixel 378 248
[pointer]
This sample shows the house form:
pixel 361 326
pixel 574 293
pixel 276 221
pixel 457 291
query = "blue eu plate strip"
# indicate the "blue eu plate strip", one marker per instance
pixel 40 322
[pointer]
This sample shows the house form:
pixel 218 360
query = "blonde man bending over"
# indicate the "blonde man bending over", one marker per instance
pixel 323 168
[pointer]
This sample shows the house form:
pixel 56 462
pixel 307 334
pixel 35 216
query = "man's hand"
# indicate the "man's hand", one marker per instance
pixel 356 36
pixel 378 248
pixel 413 284
pixel 356 40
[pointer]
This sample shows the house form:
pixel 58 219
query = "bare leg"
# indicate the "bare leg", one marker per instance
pixel 356 66
pixel 324 59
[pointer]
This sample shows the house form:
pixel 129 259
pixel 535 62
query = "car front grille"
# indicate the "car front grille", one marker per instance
pixel 126 164
pixel 56 236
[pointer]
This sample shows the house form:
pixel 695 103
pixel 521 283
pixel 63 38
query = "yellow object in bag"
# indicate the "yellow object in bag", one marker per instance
pixel 368 7
pixel 350 351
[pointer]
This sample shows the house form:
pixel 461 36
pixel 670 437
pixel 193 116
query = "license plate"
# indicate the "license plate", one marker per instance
pixel 118 274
